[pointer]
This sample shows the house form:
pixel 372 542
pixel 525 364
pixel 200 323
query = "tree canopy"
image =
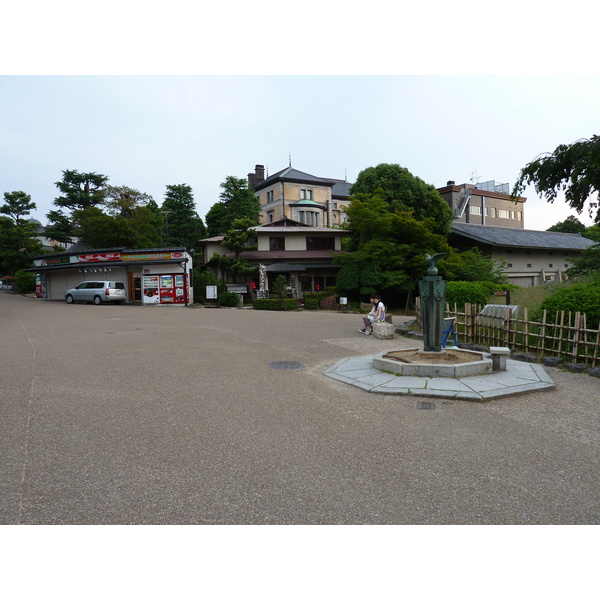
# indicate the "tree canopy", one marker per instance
pixel 573 169
pixel 570 225
pixel 403 191
pixel 237 201
pixel 183 225
pixel 18 236
pixel 390 254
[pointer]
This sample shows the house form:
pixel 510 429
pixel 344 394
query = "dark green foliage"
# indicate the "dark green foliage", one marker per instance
pixel 17 205
pixel 588 262
pixel 237 201
pixel 579 297
pixel 274 304
pixel 474 292
pixel 203 279
pixel 569 225
pixel 183 226
pixel 25 282
pixel 573 169
pixel 312 299
pixel 403 191
pixel 473 265
pixel 228 299
pixel 81 190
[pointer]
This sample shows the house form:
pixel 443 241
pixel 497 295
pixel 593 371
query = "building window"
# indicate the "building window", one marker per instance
pixel 503 214
pixel 509 265
pixel 277 243
pixel 320 243
pixel 335 205
pixel 270 216
pixel 549 265
pixel 301 216
pixel 519 216
pixel 270 196
pixel 306 194
pixel 529 265
pixel 475 210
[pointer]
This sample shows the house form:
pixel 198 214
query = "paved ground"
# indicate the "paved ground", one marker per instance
pixel 167 415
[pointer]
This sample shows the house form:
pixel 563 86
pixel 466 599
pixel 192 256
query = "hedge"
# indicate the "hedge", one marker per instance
pixel 274 304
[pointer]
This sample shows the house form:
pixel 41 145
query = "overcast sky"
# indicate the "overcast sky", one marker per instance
pixel 243 83
pixel 148 132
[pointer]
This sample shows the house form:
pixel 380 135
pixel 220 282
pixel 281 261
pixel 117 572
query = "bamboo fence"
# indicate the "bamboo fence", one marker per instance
pixel 565 336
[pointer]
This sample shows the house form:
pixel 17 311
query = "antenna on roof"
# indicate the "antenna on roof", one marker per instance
pixel 290 159
pixel 475 178
pixel 345 175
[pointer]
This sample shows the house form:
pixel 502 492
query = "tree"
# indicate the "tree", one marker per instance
pixel 473 265
pixel 18 236
pixel 237 241
pixel 573 169
pixel 17 205
pixel 391 247
pixel 183 226
pixel 570 225
pixel 237 201
pixel 79 191
pixel 403 191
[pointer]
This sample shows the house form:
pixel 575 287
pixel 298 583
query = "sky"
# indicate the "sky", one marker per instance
pixel 152 97
pixel 148 132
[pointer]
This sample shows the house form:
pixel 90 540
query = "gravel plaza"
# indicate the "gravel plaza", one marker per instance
pixel 182 416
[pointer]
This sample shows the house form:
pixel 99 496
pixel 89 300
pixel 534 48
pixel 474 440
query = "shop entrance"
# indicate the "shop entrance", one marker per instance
pixel 134 284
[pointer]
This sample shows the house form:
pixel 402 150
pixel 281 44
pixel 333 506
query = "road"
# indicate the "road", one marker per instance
pixel 172 415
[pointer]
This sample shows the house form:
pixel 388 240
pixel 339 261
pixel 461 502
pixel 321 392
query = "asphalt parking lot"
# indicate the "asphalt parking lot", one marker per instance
pixel 172 415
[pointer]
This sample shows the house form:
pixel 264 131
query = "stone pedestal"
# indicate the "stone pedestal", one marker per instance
pixel 383 331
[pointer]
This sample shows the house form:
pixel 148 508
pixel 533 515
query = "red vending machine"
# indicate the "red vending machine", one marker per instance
pixel 167 289
pixel 180 289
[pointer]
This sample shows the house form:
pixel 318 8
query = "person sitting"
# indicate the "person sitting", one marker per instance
pixel 377 314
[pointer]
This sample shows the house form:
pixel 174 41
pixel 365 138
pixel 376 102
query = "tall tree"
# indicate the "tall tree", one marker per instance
pixel 573 169
pixel 237 201
pixel 403 191
pixel 391 247
pixel 17 205
pixel 183 226
pixel 79 191
pixel 18 236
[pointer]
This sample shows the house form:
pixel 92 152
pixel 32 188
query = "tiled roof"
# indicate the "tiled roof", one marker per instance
pixel 521 238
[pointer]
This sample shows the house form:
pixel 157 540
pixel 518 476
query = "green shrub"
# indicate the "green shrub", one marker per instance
pixel 25 282
pixel 228 299
pixel 579 297
pixel 313 299
pixel 274 304
pixel 474 292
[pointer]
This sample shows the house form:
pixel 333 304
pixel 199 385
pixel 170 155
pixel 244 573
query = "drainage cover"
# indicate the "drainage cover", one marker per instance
pixel 425 405
pixel 286 365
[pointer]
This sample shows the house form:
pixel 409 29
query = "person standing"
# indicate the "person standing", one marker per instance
pixel 377 314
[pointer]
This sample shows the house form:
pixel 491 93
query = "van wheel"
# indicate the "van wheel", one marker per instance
pixel 97 300
pixel 69 299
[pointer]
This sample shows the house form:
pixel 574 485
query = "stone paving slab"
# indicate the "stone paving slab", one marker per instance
pixel 519 378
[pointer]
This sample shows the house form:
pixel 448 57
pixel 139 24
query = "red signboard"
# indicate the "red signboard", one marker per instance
pixel 101 257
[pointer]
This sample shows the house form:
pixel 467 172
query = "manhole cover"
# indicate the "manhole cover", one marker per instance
pixel 286 365
pixel 425 405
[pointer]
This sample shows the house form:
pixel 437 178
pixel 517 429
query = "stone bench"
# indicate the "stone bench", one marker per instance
pixel 499 354
pixel 383 331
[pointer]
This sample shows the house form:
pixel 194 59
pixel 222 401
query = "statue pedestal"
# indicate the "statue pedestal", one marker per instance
pixel 433 305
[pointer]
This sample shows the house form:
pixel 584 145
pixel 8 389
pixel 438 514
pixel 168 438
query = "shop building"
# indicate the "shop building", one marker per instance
pixel 152 276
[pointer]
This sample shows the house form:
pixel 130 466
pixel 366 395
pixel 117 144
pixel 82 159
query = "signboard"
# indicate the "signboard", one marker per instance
pixel 211 292
pixel 154 256
pixel 61 260
pixel 100 257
